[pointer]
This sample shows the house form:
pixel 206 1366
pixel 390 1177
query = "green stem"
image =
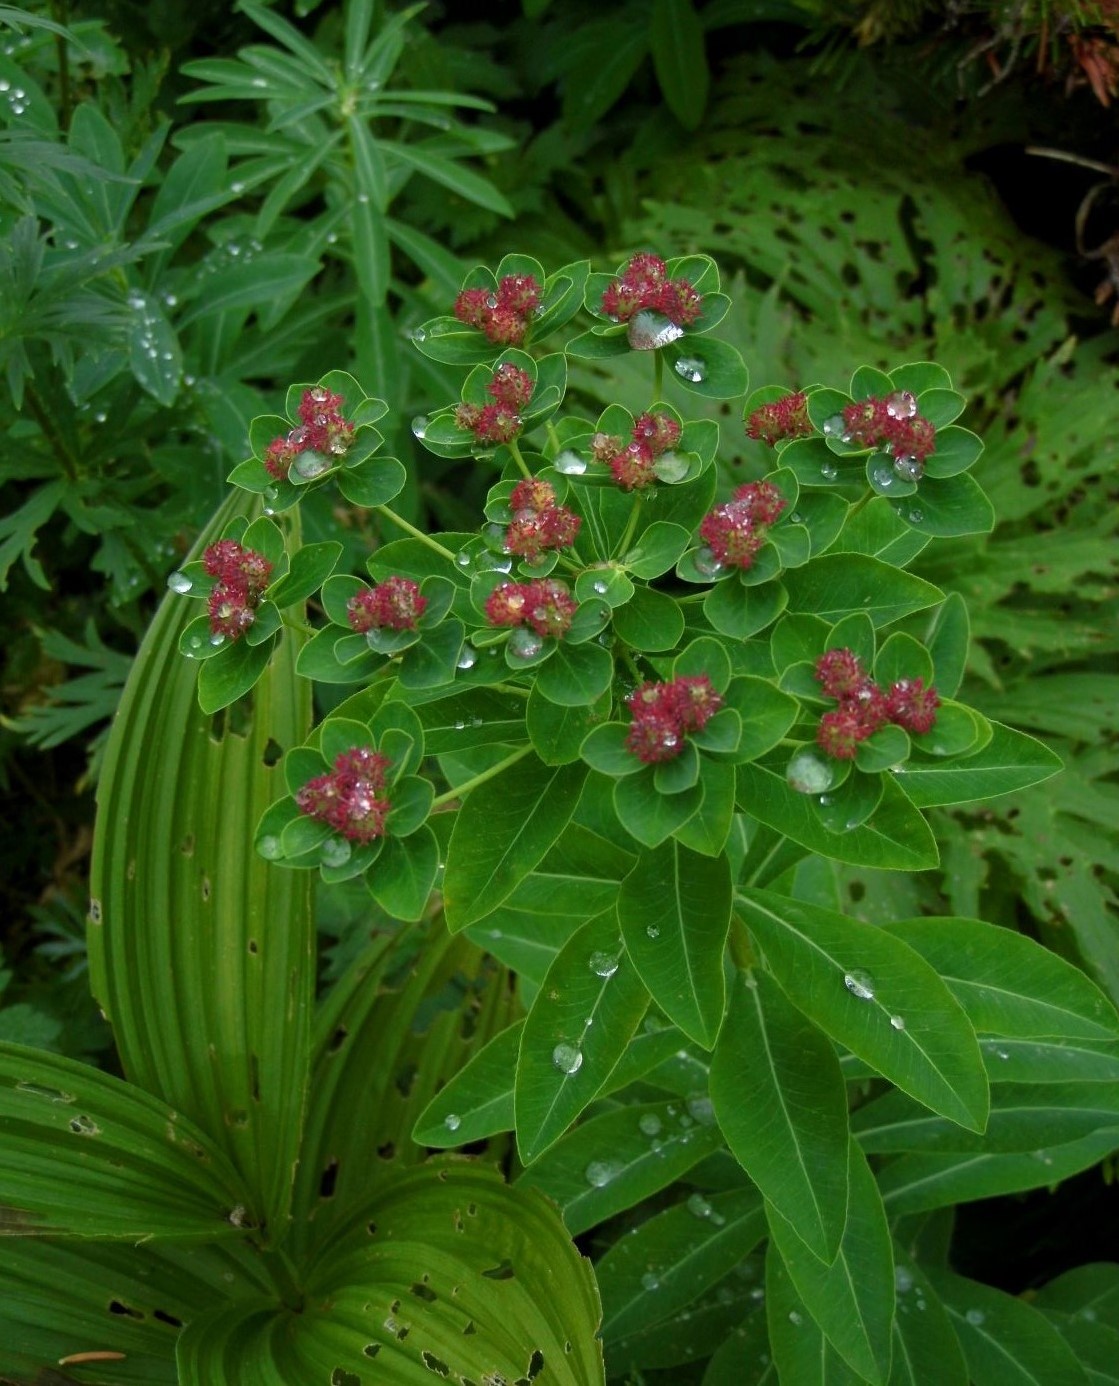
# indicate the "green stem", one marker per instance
pixel 507 688
pixel 518 459
pixel 868 495
pixel 658 375
pixel 553 436
pixel 413 531
pixel 473 783
pixel 631 525
pixel 50 432
pixel 741 946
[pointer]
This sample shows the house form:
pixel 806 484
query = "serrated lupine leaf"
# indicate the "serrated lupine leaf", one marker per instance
pixel 448 1270
pixel 1092 1291
pixel 587 1009
pixel 895 837
pixel 478 1101
pixel 877 997
pixel 503 830
pixel 615 1160
pixel 674 911
pixel 197 946
pixel 1005 1341
pixel 925 1347
pixel 83 1154
pixel 675 1256
pixel 834 585
pixel 914 1183
pixel 1008 984
pixel 781 1102
pixel 801 1353
pixel 852 1299
pixel 1010 760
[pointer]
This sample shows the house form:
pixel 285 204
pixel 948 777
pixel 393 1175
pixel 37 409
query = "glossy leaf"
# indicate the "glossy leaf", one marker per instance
pixel 478 1101
pixel 1011 760
pixel 925 1347
pixel 834 585
pixel 801 1353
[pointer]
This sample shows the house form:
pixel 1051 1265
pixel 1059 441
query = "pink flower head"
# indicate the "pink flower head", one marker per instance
pixel 696 701
pixel 242 579
pixel 660 432
pixel 503 316
pixel 511 386
pixel 632 468
pixel 663 713
pixel 912 706
pixel 232 611
pixel 604 446
pixel 784 418
pixel 840 673
pixel 346 797
pixel 644 284
pixel 894 424
pixel 519 293
pixel 736 530
pixel 532 494
pixel 395 604
pixel 505 605
pixel 322 429
pixel 549 608
pixel 841 730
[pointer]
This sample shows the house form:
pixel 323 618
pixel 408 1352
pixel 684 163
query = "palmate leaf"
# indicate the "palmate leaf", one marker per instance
pixel 197 946
pixel 448 1273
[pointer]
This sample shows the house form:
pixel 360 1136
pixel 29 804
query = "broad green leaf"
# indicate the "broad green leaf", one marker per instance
pixel 709 827
pixel 801 1353
pixel 709 367
pixel 83 1154
pixel 947 642
pixel 503 831
pixel 478 1100
pixel 402 878
pixel 576 675
pixel 649 815
pixel 685 1336
pixel 745 1357
pixel 879 998
pixel 1091 1291
pixel 782 1105
pixel 584 1015
pixel 1095 1345
pixel 1010 760
pixel 1049 1060
pixel 1005 1341
pixel 1008 984
pixel 676 39
pixel 852 1299
pixel 234 671
pixel 674 910
pixel 651 620
pixel 674 1256
pixel 925 1347
pixel 945 508
pixel 834 585
pixel 618 1158
pixel 196 943
pixel 557 732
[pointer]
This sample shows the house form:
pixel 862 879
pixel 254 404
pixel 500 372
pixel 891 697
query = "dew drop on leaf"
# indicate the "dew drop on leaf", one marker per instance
pixel 898 1022
pixel 859 985
pixel 419 425
pixel 179 582
pixel 599 1173
pixel 604 964
pixel 650 1124
pixel 335 851
pixel 269 846
pixel 524 643
pixel 570 464
pixel 452 1121
pixel 568 1058
pixel 691 368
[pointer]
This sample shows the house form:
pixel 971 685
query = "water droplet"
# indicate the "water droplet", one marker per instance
pixel 860 985
pixel 648 331
pixel 883 478
pixel 796 518
pixel 1003 1053
pixel 795 1319
pixel 691 368
pixel 898 1022
pixel 650 1282
pixel 975 1317
pixel 463 559
pixel 567 1058
pixel 452 1121
pixel 833 427
pixel 418 335
pixel 829 471
pixel 524 643
pixel 217 639
pixel 269 846
pixel 901 405
pixel 706 562
pixel 915 516
pixel 908 468
pixel 698 1206
pixel 604 964
pixel 179 582
pixel 600 587
pixel 702 1109
pixel 570 464
pixel 419 425
pixel 468 658
pixel 652 931
pixel 600 1172
pixel 903 1280
pixel 825 800
pixel 809 773
pixel 650 1124
pixel 335 851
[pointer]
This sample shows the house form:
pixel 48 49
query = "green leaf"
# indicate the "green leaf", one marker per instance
pixel 708 367
pixel 800 1351
pixel 1090 1291
pixel 709 827
pixel 372 483
pixel 947 643
pixel 449 174
pixel 502 832
pixel 557 733
pixel 267 284
pixel 674 1256
pixel 478 1101
pixel 781 1102
pixel 740 611
pixel 1005 1341
pixel 404 873
pixel 852 1299
pixel 657 549
pixel 83 1154
pixel 834 585
pixel 1010 760
pixel 647 814
pixel 650 621
pixel 576 675
pixel 925 1347
pixel 584 1016
pixel 311 565
pixel 877 997
pixel 674 910
pixel 676 38
pixel 947 508
pixel 234 670
pixel 616 1159
pixel 957 449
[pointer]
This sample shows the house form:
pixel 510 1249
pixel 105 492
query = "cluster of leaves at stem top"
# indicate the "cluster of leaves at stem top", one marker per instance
pixel 603 729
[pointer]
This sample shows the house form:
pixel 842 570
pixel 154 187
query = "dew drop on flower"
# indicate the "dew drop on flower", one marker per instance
pixel 600 1172
pixel 570 464
pixel 901 405
pixel 809 773
pixel 452 1121
pixel 604 964
pixel 269 846
pixel 648 331
pixel 179 582
pixel 567 1058
pixel 898 1022
pixel 335 851
pixel 691 368
pixel 650 1124
pixel 419 425
pixel 524 643
pixel 859 985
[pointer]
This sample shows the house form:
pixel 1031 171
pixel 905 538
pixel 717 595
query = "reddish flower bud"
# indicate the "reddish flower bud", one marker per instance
pixel 346 797
pixel 395 604
pixel 695 700
pixel 633 467
pixel 660 432
pixel 503 316
pixel 840 673
pixel 497 424
pixel 912 706
pixel 784 418
pixel 664 712
pixel 231 610
pixel 473 308
pixel 840 732
pixel 643 284
pixel 559 527
pixel 524 536
pixel 505 606
pixel 680 302
pixel 242 579
pixel 519 293
pixel 511 386
pixel 654 738
pixel 532 494
pixel 604 446
pixel 549 607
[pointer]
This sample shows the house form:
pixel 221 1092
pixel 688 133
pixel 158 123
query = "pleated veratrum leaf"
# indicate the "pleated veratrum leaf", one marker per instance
pixel 853 1298
pixel 449 1273
pixel 405 1018
pixel 200 952
pixel 83 1154
pixel 879 998
pixel 781 1101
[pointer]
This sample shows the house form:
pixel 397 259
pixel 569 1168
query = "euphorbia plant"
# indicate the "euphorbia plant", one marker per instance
pixel 608 737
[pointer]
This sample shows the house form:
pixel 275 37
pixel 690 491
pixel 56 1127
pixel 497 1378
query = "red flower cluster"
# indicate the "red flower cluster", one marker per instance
pixel 784 418
pixel 863 707
pixel 503 316
pixel 501 421
pixel 322 429
pixel 735 531
pixel 663 713
pixel 242 576
pixel 892 423
pixel 538 523
pixel 394 604
pixel 347 797
pixel 644 284
pixel 632 463
pixel 545 604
